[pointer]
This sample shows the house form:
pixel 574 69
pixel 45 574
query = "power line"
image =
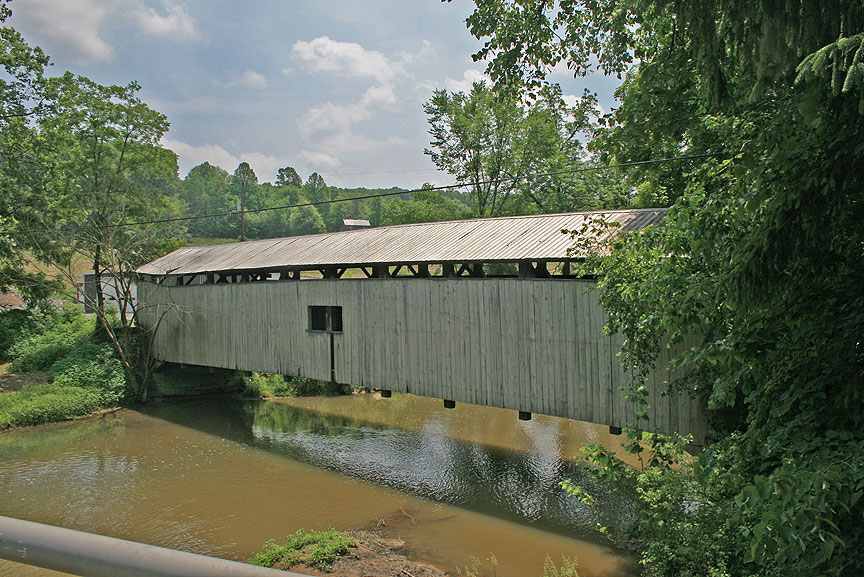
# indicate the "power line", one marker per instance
pixel 433 188
pixel 380 172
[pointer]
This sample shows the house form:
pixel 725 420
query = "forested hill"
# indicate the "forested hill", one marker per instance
pixel 209 189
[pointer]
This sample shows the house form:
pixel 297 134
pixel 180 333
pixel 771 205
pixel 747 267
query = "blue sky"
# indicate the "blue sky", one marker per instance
pixel 335 87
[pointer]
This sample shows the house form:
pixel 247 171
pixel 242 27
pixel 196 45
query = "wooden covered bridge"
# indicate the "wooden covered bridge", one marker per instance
pixel 482 311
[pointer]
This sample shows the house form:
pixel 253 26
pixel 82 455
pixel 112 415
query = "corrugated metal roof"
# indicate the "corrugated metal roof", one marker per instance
pixel 512 238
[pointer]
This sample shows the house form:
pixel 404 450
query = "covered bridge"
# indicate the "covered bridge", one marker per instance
pixel 482 311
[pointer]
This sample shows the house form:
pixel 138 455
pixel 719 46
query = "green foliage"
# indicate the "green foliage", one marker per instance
pixel 85 373
pixel 760 257
pixel 306 220
pixel 51 337
pixel 287 176
pixel 314 549
pixel 267 385
pixel 492 141
pixel 47 403
pixel 425 206
pixel 206 190
pixel 270 385
pixel 679 519
pixel 95 367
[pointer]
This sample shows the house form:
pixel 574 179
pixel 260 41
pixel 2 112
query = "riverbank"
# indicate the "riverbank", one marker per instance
pixel 361 554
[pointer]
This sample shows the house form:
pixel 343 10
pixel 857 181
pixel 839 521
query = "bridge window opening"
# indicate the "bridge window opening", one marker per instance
pixel 325 319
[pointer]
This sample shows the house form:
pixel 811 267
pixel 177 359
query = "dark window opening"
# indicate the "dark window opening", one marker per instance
pixel 325 319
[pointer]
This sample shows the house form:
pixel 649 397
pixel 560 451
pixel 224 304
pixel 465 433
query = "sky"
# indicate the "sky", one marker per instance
pixel 327 86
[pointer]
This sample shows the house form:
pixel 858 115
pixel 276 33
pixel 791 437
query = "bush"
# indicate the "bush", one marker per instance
pixel 314 549
pixel 86 374
pixel 13 324
pixel 267 385
pixel 95 367
pixel 271 385
pixel 50 335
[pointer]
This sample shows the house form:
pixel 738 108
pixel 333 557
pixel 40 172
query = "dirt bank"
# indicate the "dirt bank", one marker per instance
pixel 374 556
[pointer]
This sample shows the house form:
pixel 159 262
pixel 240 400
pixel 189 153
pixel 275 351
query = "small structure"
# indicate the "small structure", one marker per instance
pixel 112 293
pixel 354 223
pixel 484 311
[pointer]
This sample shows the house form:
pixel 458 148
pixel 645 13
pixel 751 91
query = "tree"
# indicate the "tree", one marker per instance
pixel 271 223
pixel 244 180
pixel 760 255
pixel 21 151
pixel 306 220
pixel 106 169
pixel 206 190
pixel 288 177
pixel 426 205
pixel 491 141
pixel 80 163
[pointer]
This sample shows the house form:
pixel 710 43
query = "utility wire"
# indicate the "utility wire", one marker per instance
pixel 397 193
pixel 380 172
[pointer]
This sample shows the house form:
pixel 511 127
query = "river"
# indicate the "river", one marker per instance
pixel 221 477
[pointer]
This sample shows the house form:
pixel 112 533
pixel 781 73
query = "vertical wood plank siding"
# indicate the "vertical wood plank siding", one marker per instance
pixel 525 344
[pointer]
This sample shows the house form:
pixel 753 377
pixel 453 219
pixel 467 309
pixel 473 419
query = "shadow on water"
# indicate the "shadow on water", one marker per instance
pixel 427 462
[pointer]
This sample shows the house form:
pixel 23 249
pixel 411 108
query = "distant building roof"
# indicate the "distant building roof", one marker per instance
pixel 352 223
pixel 503 239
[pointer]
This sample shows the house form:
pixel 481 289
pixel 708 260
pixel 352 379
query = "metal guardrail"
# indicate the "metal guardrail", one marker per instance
pixel 91 555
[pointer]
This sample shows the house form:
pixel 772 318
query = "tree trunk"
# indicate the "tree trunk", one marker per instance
pixel 97 275
pixel 242 211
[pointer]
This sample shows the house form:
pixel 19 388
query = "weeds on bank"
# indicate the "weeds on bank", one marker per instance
pixel 313 549
pixel 270 385
pixel 83 372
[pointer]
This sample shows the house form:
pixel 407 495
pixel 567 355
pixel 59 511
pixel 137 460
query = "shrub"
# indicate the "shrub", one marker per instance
pixel 13 324
pixel 271 385
pixel 267 385
pixel 95 367
pixel 314 549
pixel 50 336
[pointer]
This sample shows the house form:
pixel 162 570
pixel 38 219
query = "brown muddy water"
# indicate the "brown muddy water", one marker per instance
pixel 222 477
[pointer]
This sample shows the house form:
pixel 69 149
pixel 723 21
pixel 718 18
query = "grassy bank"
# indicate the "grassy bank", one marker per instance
pixel 56 364
pixel 56 367
pixel 264 385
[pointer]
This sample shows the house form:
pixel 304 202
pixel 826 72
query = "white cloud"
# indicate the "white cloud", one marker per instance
pixel 77 28
pixel 320 161
pixel 174 23
pixel 252 79
pixel 469 77
pixel 191 156
pixel 326 55
pixel 264 165
pixel 340 117
pixel 72 27
pixel 323 54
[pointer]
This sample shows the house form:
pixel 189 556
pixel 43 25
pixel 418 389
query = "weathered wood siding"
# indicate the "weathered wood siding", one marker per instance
pixel 528 344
